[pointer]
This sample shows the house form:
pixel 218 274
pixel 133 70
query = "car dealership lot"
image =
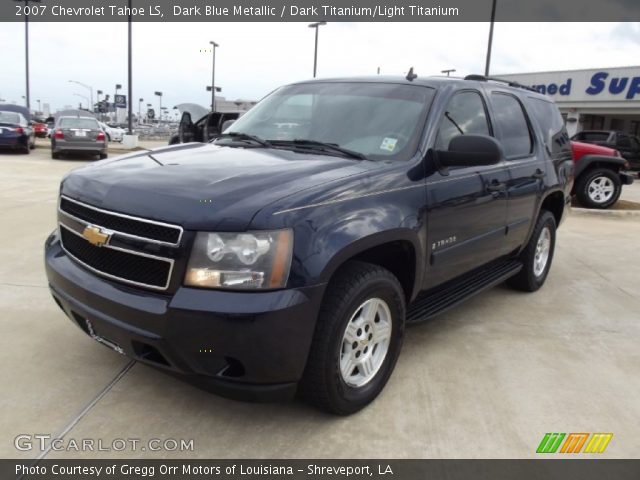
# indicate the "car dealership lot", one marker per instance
pixel 486 379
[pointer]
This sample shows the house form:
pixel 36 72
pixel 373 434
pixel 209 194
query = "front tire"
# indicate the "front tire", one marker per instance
pixel 537 256
pixel 357 340
pixel 598 188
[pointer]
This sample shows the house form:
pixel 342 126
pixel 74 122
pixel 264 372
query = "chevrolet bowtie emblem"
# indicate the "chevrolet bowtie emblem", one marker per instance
pixel 95 236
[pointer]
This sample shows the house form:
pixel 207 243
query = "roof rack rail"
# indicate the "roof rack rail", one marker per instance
pixel 482 78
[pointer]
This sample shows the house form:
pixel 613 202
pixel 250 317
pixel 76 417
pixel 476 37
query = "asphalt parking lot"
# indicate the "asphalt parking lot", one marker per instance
pixel 485 380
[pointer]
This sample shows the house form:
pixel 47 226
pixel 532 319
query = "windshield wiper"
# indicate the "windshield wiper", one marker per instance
pixel 323 146
pixel 245 136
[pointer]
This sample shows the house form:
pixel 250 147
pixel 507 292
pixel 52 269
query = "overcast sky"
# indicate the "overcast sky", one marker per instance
pixel 254 58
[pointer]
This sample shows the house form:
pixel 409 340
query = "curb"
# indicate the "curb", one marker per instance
pixel 605 213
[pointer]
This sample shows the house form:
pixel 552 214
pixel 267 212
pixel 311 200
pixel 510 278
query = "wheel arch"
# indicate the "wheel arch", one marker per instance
pixel 554 202
pixel 398 252
pixel 589 162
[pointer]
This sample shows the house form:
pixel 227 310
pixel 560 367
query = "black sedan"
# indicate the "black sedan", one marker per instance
pixel 16 132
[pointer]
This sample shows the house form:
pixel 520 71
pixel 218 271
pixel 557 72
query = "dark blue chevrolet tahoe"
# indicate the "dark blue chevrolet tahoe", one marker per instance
pixel 289 254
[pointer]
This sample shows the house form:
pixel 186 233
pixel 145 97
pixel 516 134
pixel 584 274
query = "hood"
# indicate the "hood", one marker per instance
pixel 582 148
pixel 203 186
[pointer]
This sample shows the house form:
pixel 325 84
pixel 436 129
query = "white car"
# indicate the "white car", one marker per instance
pixel 114 134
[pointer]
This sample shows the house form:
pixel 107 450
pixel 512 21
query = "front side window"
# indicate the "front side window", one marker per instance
pixel 510 119
pixel 378 120
pixel 465 115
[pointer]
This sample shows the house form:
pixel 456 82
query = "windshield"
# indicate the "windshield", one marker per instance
pixel 380 121
pixel 9 117
pixel 89 123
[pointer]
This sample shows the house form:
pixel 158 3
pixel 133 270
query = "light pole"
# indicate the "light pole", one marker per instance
pixel 26 49
pixel 148 108
pixel 159 94
pixel 213 77
pixel 129 76
pixel 493 18
pixel 315 53
pixel 213 97
pixel 88 87
pixel 115 109
pixel 139 110
pixel 451 70
pixel 98 93
pixel 39 107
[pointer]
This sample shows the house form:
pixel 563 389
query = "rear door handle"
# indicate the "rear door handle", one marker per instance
pixel 539 174
pixel 496 186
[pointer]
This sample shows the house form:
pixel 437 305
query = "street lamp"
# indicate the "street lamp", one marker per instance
pixel 39 107
pixel 451 70
pixel 26 48
pixel 159 94
pixel 490 45
pixel 315 53
pixel 88 87
pixel 213 77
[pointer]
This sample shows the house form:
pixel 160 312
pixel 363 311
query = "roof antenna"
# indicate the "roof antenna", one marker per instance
pixel 411 76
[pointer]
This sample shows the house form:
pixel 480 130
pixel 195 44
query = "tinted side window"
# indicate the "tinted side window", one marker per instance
pixel 635 144
pixel 623 141
pixel 510 118
pixel 551 123
pixel 465 114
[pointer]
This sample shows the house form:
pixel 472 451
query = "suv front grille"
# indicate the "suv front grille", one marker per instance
pixel 124 224
pixel 116 263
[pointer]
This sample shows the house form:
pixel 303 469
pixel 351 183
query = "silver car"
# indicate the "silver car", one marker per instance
pixel 78 135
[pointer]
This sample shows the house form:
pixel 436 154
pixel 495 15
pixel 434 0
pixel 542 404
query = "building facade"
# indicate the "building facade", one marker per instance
pixel 593 99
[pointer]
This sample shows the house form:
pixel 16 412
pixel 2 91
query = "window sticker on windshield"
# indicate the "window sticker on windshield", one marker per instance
pixel 389 144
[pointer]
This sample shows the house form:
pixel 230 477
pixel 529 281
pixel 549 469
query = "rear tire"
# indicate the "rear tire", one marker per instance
pixel 598 188
pixel 357 340
pixel 103 156
pixel 55 155
pixel 537 256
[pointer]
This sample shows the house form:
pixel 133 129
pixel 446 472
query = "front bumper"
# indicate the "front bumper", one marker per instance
pixel 245 345
pixel 626 178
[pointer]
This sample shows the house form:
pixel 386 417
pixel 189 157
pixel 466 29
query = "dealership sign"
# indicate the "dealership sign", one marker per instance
pixel 120 101
pixel 614 84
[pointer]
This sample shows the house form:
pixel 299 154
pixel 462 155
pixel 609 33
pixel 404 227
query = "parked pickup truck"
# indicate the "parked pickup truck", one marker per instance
pixel 599 175
pixel 289 254
pixel 627 145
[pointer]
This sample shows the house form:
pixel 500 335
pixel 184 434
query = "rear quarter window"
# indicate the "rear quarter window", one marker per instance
pixel 551 123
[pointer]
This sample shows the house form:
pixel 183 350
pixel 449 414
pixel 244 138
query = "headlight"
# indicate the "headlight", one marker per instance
pixel 251 260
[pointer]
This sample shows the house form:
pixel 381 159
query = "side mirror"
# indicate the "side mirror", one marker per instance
pixel 470 150
pixel 226 124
